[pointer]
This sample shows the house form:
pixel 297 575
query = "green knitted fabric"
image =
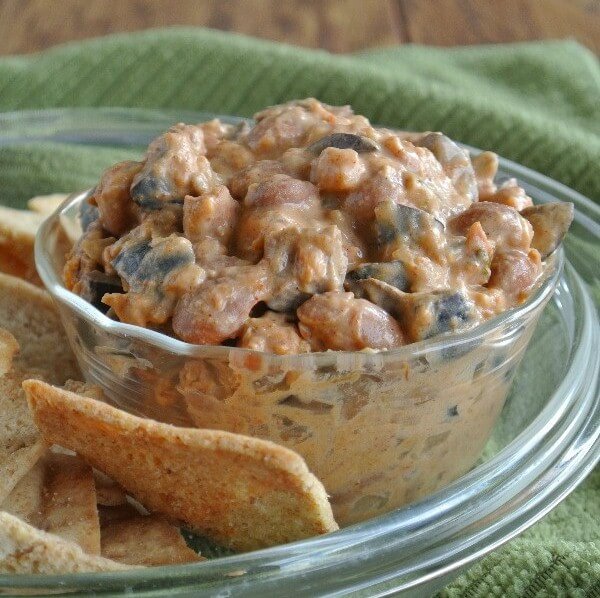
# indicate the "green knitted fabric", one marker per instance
pixel 536 103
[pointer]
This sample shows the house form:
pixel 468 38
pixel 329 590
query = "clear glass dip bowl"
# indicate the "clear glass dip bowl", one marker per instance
pixel 379 429
pixel 546 439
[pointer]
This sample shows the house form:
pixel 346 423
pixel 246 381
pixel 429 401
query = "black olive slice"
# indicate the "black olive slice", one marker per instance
pixel 444 310
pixel 393 273
pixel 344 141
pixel 550 224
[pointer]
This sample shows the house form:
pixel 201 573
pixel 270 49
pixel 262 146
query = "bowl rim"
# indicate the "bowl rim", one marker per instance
pixel 494 326
pixel 534 483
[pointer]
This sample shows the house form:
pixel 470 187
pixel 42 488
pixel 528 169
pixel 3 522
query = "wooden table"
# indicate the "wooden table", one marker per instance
pixel 335 25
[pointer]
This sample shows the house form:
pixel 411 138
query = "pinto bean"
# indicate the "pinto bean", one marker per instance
pixel 218 309
pixel 297 162
pixel 385 185
pixel 229 157
pixel 277 203
pixel 216 131
pixel 341 322
pixel 117 211
pixel 515 272
pixel 281 189
pixel 503 225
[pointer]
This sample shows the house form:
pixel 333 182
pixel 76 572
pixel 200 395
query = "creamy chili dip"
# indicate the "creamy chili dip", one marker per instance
pixel 311 230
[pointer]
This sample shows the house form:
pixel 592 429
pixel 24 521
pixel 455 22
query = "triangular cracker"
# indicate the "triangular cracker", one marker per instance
pixel 110 515
pixel 46 204
pixel 239 491
pixel 30 316
pixel 25 549
pixel 9 347
pixel 70 509
pixel 108 492
pixel 146 540
pixel 29 321
pixel 17 235
pixel 20 443
pixel 26 501
pixel 58 495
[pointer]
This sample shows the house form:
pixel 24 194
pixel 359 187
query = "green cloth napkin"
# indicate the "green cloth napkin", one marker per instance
pixel 536 103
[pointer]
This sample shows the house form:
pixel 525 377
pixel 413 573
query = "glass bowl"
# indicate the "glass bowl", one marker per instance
pixel 379 429
pixel 545 441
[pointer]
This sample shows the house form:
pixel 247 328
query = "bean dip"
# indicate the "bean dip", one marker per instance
pixel 319 244
pixel 310 231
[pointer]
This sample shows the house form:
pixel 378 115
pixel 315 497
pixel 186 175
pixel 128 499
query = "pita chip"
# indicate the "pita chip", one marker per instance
pixel 58 495
pixel 29 315
pixel 20 442
pixel 146 540
pixel 46 204
pixel 8 348
pixel 108 492
pixel 239 491
pixel 33 345
pixel 26 501
pixel 17 235
pixel 25 549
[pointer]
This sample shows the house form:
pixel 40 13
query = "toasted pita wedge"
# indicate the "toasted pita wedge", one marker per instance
pixel 58 496
pixel 25 549
pixel 239 491
pixel 146 540
pixel 8 348
pixel 110 515
pixel 17 235
pixel 70 509
pixel 108 492
pixel 30 316
pixel 20 442
pixel 46 204
pixel 29 321
pixel 26 501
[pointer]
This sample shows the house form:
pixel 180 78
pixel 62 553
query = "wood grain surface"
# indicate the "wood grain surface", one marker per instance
pixel 335 25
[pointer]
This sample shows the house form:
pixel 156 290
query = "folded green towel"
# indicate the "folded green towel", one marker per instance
pixel 536 103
